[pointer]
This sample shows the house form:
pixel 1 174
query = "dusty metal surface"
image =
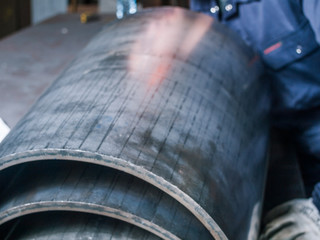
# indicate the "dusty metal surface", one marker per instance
pixel 170 97
pixel 80 187
pixel 71 225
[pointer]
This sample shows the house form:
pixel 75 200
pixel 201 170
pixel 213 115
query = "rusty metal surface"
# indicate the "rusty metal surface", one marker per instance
pixel 31 59
pixel 71 225
pixel 170 97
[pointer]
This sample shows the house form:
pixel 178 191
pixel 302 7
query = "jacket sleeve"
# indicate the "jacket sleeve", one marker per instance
pixel 311 9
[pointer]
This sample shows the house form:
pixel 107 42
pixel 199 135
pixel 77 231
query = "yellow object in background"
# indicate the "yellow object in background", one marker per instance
pixel 88 17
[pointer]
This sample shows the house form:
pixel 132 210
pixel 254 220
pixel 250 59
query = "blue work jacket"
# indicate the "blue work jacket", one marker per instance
pixel 286 34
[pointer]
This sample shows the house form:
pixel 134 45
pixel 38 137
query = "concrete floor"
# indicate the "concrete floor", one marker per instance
pixel 31 59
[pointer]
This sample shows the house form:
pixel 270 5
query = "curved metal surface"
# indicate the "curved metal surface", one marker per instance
pixel 171 97
pixel 66 226
pixel 74 186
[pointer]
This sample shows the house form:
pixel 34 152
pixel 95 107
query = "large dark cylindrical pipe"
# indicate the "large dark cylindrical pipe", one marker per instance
pixel 168 96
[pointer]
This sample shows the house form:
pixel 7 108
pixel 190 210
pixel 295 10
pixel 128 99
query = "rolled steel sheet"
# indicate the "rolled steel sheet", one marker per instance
pixel 171 97
pixel 66 226
pixel 79 187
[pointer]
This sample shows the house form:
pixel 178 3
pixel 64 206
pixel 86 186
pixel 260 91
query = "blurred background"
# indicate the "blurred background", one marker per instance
pixel 18 14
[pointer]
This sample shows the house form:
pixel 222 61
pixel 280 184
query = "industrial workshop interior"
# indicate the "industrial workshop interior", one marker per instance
pixel 160 119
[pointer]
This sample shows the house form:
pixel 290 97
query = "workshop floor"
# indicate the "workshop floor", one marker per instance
pixel 31 59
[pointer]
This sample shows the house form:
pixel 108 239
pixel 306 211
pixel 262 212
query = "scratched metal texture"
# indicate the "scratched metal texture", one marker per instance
pixel 171 97
pixel 71 225
pixel 81 187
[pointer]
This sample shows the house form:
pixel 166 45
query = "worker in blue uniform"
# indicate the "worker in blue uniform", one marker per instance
pixel 286 34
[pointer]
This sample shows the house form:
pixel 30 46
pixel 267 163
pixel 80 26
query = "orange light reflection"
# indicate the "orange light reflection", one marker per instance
pixel 174 35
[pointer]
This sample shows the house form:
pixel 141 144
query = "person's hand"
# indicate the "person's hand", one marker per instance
pixel 294 220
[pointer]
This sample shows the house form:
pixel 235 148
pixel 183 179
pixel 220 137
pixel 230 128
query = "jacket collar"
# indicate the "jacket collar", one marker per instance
pixel 231 7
